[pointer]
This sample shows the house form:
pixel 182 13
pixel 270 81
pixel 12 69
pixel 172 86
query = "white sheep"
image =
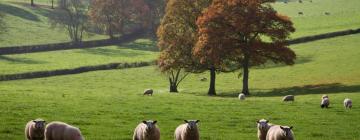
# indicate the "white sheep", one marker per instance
pixel 289 98
pixel 263 127
pixel 325 102
pixel 241 96
pixel 62 131
pixel 147 130
pixel 34 130
pixel 148 92
pixel 278 132
pixel 324 96
pixel 347 103
pixel 187 131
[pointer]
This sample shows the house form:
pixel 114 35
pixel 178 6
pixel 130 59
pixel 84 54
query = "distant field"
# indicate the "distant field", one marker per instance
pixel 107 105
pixel 140 50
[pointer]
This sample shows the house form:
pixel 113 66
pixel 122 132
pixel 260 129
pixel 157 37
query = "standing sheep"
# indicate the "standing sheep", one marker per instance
pixel 148 92
pixel 241 96
pixel 263 127
pixel 347 103
pixel 147 130
pixel 187 131
pixel 325 102
pixel 280 133
pixel 289 98
pixel 34 130
pixel 62 131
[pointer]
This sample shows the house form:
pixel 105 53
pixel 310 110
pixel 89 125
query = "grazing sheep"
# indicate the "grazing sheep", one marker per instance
pixel 324 96
pixel 300 13
pixel 280 133
pixel 289 98
pixel 347 103
pixel 325 102
pixel 327 13
pixel 203 79
pixel 187 131
pixel 62 131
pixel 242 96
pixel 148 92
pixel 34 130
pixel 147 130
pixel 263 127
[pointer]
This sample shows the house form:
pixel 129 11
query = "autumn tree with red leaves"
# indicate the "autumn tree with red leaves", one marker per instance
pixel 177 35
pixel 112 16
pixel 249 32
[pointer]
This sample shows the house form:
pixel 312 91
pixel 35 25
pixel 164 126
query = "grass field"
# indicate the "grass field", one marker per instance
pixel 139 50
pixel 107 105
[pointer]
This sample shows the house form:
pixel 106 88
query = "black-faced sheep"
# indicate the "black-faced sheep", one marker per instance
pixel 347 103
pixel 62 131
pixel 289 98
pixel 263 127
pixel 34 130
pixel 147 130
pixel 280 133
pixel 187 131
pixel 241 96
pixel 325 102
pixel 148 92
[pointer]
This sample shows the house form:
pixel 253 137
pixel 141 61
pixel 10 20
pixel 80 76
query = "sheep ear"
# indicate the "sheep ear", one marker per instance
pixel 197 121
pixel 186 121
pixel 257 121
pixel 291 127
pixel 267 121
pixel 34 121
pixel 281 127
pixel 144 122
pixel 154 122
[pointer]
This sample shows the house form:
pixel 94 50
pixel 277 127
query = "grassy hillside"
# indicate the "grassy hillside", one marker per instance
pixel 139 50
pixel 107 105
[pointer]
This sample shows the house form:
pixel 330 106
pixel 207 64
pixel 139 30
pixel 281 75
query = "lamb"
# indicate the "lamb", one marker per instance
pixel 325 103
pixel 324 96
pixel 62 131
pixel 147 130
pixel 242 96
pixel 347 103
pixel 263 127
pixel 34 130
pixel 289 98
pixel 187 131
pixel 278 132
pixel 148 92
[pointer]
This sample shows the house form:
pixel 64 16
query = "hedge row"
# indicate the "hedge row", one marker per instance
pixel 70 45
pixel 42 74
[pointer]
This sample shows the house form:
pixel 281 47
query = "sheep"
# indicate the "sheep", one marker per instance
pixel 347 103
pixel 263 127
pixel 187 131
pixel 324 96
pixel 242 96
pixel 34 130
pixel 147 130
pixel 300 13
pixel 325 102
pixel 280 133
pixel 148 92
pixel 62 131
pixel 289 98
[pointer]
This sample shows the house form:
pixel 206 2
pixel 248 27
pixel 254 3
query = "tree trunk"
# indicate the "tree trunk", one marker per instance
pixel 52 4
pixel 32 3
pixel 246 62
pixel 173 87
pixel 212 91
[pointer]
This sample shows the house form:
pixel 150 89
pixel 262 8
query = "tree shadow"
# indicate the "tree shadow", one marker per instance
pixel 111 52
pixel 15 11
pixel 299 60
pixel 331 88
pixel 144 46
pixel 40 9
pixel 21 60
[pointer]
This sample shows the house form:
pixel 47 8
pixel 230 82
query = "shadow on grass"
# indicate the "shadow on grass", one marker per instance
pixel 15 11
pixel 297 90
pixel 20 60
pixel 299 60
pixel 111 52
pixel 144 46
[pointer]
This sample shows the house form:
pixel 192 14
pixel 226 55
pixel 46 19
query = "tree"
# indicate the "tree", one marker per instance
pixel 153 17
pixel 113 15
pixel 71 15
pixel 177 35
pixel 250 32
pixel 32 3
